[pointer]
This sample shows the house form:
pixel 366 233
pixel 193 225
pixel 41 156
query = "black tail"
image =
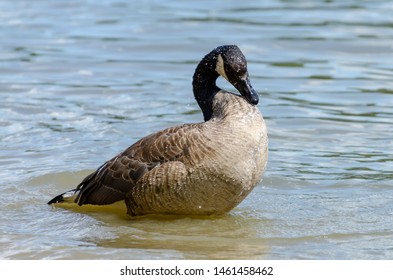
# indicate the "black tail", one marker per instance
pixel 67 196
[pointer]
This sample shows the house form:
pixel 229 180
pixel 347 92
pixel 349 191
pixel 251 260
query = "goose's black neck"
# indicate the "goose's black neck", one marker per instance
pixel 204 84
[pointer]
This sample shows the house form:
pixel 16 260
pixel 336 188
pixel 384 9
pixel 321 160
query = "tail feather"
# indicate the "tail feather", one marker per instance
pixel 68 196
pixel 68 200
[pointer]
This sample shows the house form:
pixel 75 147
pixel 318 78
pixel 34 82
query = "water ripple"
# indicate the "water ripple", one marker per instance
pixel 82 80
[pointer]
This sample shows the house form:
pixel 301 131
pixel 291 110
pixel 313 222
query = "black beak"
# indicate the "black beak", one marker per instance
pixel 246 90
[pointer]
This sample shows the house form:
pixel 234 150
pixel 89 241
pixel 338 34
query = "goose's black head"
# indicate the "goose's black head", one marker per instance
pixel 229 62
pixel 232 65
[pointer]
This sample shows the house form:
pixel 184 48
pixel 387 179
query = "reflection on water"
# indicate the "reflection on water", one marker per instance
pixel 79 86
pixel 229 237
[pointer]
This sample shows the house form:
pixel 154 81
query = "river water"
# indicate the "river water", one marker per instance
pixel 82 80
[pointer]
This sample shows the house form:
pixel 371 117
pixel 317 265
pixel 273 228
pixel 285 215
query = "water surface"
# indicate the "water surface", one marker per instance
pixel 82 80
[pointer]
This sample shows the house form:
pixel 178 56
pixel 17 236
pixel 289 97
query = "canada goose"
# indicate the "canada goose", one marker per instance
pixel 200 169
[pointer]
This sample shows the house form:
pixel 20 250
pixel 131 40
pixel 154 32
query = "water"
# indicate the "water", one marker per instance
pixel 82 80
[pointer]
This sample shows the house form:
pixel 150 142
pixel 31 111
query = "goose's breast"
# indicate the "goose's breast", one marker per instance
pixel 247 151
pixel 237 149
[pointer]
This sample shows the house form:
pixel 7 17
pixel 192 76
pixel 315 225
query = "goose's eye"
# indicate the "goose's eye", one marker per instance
pixel 241 73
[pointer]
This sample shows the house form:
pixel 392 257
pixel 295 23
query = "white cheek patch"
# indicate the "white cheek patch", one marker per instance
pixel 220 67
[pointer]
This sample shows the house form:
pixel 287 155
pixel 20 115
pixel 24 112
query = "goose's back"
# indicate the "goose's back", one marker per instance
pixel 121 174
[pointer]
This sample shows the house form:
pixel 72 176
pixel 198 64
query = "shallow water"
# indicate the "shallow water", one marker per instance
pixel 82 80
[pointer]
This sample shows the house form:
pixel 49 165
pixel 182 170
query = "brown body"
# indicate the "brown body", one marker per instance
pixel 194 169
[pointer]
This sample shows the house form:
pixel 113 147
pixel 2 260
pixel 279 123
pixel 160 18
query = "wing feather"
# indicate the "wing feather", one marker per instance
pixel 118 176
